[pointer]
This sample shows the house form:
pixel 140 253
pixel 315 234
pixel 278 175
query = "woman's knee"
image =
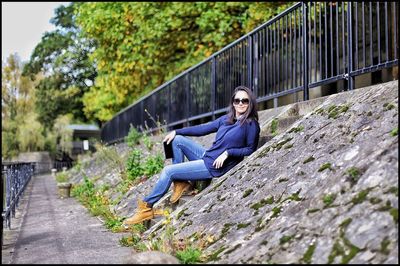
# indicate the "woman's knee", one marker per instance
pixel 178 138
pixel 167 172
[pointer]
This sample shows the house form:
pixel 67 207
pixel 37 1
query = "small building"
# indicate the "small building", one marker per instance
pixel 83 138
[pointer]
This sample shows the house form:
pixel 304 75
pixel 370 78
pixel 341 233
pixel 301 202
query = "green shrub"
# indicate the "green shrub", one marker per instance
pixel 83 191
pixel 147 142
pixel 274 127
pixel 133 137
pixel 134 167
pixel 61 177
pixel 154 164
pixel 189 255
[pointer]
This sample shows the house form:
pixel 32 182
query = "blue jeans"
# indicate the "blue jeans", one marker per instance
pixel 193 170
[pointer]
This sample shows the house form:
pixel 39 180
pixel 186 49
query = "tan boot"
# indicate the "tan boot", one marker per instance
pixel 143 213
pixel 179 188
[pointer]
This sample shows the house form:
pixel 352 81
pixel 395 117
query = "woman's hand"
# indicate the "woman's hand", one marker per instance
pixel 168 138
pixel 220 160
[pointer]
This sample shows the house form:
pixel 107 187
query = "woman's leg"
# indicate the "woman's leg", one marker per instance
pixel 188 171
pixel 183 146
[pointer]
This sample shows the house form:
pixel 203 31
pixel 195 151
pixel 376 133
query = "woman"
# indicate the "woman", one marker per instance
pixel 237 136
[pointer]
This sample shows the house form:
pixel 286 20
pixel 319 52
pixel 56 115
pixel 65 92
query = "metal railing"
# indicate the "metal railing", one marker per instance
pixel 306 46
pixel 15 178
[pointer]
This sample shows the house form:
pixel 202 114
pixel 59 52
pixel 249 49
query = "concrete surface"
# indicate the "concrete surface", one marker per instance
pixel 50 230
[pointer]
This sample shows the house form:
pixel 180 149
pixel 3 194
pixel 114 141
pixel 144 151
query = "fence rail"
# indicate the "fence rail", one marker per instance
pixel 306 46
pixel 15 177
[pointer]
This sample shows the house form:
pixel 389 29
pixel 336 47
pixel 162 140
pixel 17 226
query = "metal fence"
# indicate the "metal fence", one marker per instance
pixel 15 177
pixel 306 46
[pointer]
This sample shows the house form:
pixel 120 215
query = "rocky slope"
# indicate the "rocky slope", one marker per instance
pixel 322 189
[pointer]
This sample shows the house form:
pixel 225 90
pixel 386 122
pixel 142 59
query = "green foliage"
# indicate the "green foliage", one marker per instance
pixel 189 255
pixel 9 144
pixel 147 142
pixel 354 174
pixel 21 130
pixel 247 193
pixel 141 45
pixel 63 56
pixel 134 167
pixel 133 137
pixel 328 199
pixel 263 202
pixel 83 191
pixel 274 127
pixel 62 177
pixel 154 164
pixel 63 133
pixel 96 201
pixel 325 166
pixel 309 159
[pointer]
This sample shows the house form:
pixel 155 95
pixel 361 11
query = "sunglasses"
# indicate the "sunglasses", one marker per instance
pixel 244 101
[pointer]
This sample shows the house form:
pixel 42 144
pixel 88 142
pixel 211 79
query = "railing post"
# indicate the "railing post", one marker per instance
pixel 250 62
pixel 187 92
pixel 12 179
pixel 169 103
pixel 255 73
pixel 305 51
pixel 350 84
pixel 213 86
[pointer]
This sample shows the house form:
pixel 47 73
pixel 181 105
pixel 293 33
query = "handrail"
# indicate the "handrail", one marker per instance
pixel 15 177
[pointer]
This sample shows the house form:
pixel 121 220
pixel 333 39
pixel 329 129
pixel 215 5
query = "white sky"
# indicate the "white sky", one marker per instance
pixel 23 25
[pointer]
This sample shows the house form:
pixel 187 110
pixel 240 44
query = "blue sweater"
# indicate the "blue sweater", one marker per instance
pixel 237 140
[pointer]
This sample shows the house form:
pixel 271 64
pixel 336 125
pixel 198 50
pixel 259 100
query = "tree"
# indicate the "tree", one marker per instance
pixel 18 99
pixel 30 134
pixel 62 55
pixel 63 134
pixel 141 45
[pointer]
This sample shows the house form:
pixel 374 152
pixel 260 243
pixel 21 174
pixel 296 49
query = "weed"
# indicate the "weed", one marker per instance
pixel 384 246
pixel 147 142
pixel 325 166
pixel 62 177
pixel 134 167
pixel 309 159
pixel 274 127
pixel 296 129
pixel 328 199
pixel 247 193
pixel 276 211
pixel 308 255
pixel 240 226
pixel 189 255
pixel 263 202
pixel 285 239
pixel 133 137
pixel 354 174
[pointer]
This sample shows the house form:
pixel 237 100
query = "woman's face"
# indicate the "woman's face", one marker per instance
pixel 241 102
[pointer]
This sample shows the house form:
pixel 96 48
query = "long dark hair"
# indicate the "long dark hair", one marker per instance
pixel 251 112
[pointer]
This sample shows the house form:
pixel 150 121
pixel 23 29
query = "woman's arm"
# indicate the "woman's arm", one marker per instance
pixel 253 135
pixel 201 130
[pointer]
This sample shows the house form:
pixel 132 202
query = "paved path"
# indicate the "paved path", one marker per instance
pixel 61 231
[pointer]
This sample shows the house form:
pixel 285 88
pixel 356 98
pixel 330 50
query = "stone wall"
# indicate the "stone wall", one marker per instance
pixel 322 188
pixel 323 191
pixel 41 158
